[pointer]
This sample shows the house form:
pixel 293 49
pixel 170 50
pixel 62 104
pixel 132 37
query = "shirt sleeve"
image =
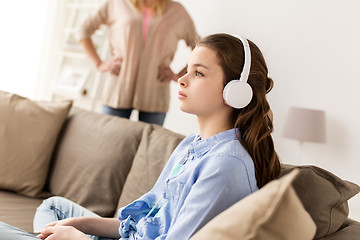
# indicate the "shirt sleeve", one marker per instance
pixel 93 22
pixel 190 36
pixel 189 33
pixel 132 213
pixel 219 185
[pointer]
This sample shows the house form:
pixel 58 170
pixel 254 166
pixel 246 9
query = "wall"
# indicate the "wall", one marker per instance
pixel 313 54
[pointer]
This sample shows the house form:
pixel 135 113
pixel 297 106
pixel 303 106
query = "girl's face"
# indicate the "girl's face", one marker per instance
pixel 202 86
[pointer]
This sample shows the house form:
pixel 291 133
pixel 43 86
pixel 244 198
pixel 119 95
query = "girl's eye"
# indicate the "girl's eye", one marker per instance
pixel 199 74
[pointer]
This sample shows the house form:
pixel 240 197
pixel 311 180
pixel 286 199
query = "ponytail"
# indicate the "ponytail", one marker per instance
pixel 255 124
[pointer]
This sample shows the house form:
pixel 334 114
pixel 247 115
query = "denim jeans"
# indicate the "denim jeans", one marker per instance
pixel 52 209
pixel 8 232
pixel 148 117
pixel 58 208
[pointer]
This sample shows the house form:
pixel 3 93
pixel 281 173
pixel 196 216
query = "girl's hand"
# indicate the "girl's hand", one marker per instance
pixel 113 66
pixel 64 222
pixel 166 74
pixel 61 233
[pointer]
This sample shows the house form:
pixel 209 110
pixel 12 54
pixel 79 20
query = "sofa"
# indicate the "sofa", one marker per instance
pixel 105 162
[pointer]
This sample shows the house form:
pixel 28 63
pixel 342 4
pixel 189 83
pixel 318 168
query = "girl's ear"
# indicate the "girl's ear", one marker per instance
pixel 226 104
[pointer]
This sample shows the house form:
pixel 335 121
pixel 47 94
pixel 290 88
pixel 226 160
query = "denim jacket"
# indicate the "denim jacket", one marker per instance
pixel 216 173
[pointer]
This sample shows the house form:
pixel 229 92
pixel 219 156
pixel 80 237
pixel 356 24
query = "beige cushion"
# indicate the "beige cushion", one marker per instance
pixel 272 213
pixel 155 148
pixel 324 196
pixel 18 210
pixel 93 158
pixel 28 132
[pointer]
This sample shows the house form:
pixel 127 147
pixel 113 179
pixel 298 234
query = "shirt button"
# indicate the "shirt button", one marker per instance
pixel 148 220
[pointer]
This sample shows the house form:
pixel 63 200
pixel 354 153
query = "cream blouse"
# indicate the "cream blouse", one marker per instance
pixel 137 85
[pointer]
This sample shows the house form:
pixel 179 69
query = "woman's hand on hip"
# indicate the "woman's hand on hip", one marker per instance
pixel 113 66
pixel 166 74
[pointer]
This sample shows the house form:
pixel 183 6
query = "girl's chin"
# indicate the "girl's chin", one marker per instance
pixel 185 109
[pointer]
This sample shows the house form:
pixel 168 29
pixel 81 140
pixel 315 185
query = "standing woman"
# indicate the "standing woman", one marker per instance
pixel 143 38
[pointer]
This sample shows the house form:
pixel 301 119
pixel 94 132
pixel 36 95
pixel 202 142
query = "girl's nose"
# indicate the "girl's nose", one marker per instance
pixel 182 81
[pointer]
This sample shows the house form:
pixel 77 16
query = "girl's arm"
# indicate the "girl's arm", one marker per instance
pixel 104 227
pixel 62 233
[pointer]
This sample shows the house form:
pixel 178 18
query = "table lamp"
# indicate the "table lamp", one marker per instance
pixel 305 124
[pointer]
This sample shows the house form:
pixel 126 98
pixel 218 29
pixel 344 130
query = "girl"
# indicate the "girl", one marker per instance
pixel 231 158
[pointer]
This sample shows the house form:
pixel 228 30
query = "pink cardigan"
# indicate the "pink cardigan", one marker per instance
pixel 137 85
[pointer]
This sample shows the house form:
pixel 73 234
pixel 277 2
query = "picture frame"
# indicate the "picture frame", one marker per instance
pixel 72 80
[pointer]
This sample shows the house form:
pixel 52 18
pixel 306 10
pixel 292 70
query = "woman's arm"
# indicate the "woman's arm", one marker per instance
pixel 113 66
pixel 87 29
pixel 166 74
pixel 90 50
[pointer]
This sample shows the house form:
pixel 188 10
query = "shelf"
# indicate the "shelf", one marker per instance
pixel 73 54
pixel 83 5
pixel 99 32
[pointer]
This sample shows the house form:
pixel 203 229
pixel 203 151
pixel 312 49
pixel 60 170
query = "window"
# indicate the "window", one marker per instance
pixel 22 25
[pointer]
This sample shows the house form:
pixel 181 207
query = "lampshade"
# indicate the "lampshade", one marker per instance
pixel 305 125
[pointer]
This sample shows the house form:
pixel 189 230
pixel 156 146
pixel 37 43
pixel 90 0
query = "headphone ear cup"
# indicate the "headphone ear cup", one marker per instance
pixel 237 94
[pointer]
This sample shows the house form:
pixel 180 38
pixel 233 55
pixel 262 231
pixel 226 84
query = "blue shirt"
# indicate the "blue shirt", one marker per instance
pixel 216 173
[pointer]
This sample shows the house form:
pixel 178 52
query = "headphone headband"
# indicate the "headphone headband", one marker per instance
pixel 247 60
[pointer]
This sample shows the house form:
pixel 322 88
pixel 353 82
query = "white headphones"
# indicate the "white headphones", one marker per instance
pixel 238 93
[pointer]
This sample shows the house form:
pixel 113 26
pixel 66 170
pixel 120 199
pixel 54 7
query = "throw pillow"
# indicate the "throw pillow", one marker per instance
pixel 272 213
pixel 28 133
pixel 93 158
pixel 154 150
pixel 324 196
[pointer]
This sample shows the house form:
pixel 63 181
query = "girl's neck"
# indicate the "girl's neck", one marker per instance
pixel 209 127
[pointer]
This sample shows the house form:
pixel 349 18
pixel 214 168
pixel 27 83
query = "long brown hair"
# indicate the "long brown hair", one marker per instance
pixel 159 5
pixel 255 121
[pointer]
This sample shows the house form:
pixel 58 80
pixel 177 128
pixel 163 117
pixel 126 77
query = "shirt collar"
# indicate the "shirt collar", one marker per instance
pixel 200 147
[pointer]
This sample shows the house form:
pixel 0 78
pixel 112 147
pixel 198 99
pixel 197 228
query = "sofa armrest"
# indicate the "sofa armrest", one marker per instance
pixel 350 230
pixel 324 197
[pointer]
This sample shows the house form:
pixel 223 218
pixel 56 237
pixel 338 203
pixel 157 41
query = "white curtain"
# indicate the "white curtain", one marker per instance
pixel 54 30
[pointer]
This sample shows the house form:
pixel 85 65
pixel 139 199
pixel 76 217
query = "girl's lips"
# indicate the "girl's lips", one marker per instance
pixel 181 95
